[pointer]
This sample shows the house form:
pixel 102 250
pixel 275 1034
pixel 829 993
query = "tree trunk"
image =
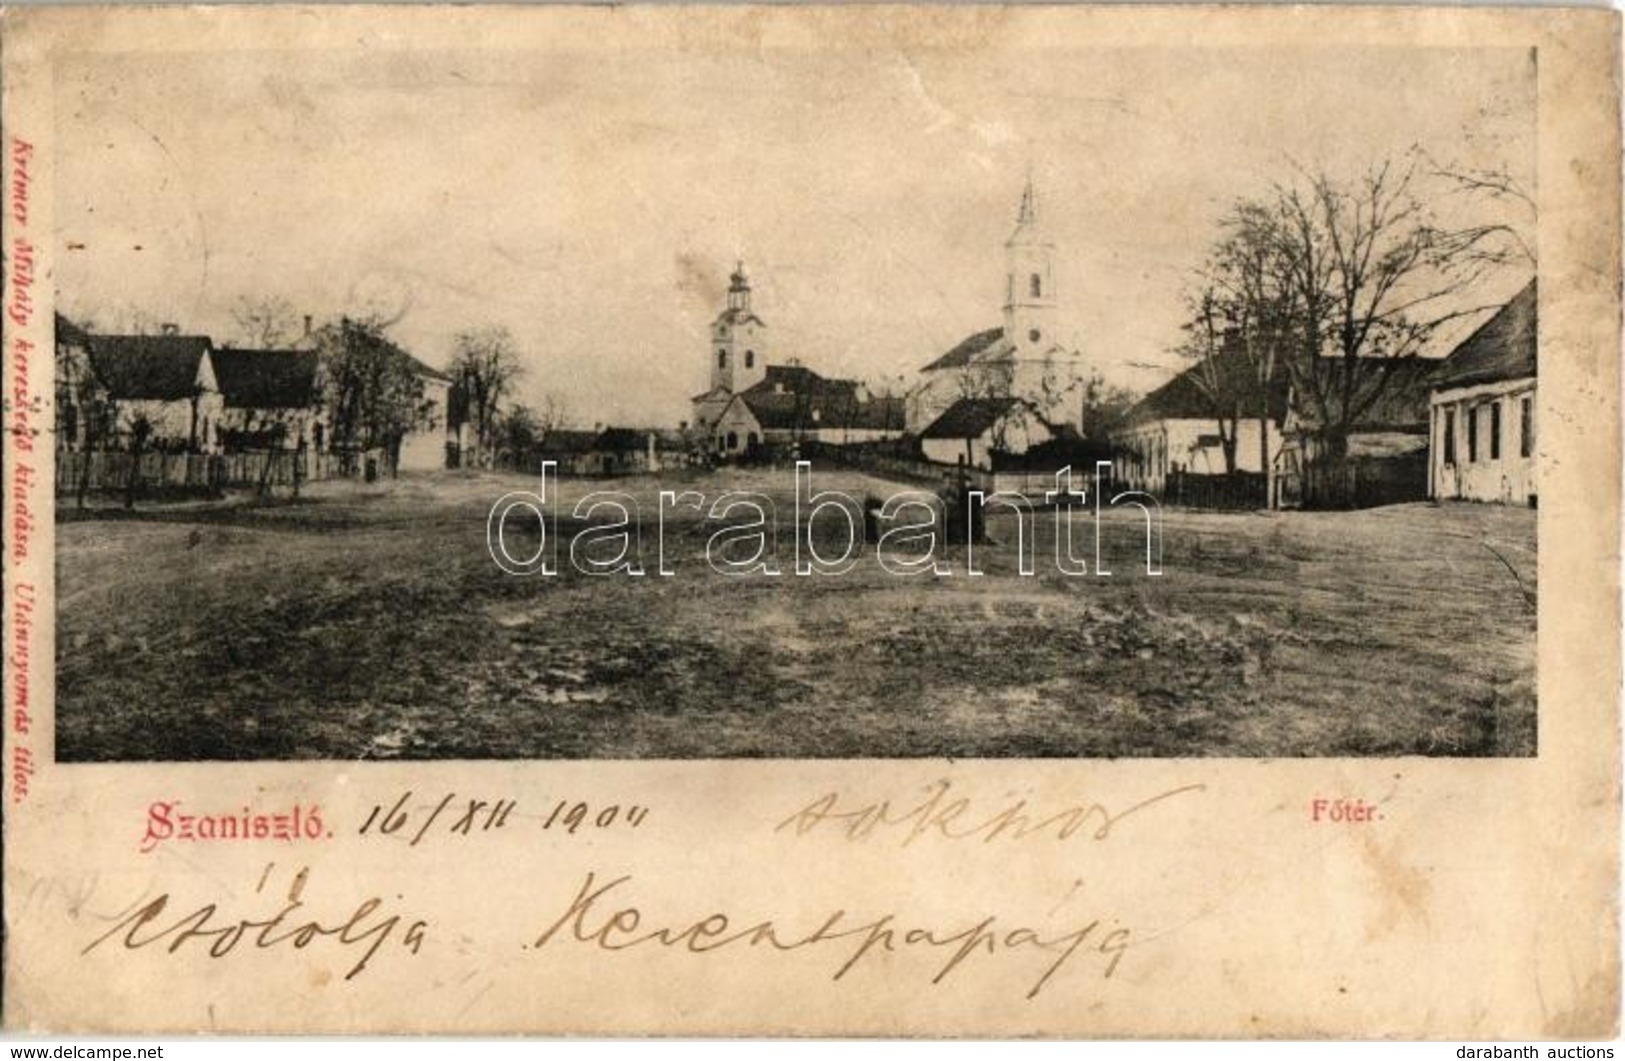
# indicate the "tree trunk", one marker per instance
pixel 1335 443
pixel 1264 460
pixel 132 481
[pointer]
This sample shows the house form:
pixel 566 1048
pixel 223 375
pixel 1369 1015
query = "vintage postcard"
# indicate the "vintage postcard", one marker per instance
pixel 862 520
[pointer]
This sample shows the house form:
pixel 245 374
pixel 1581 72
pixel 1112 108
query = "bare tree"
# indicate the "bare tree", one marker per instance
pixel 1104 407
pixel 551 413
pixel 122 319
pixel 985 381
pixel 375 393
pixel 517 433
pixel 1244 316
pixel 266 322
pixel 1496 185
pixel 485 366
pixel 1373 273
pixel 1351 279
pixel 1208 344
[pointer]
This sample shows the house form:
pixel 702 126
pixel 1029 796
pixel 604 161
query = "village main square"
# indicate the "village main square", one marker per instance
pixel 738 454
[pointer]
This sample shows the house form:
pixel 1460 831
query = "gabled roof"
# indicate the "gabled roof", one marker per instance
pixel 148 367
pixel 719 391
pixel 968 350
pixel 791 397
pixel 1502 348
pixel 785 411
pixel 266 379
pixel 974 417
pixel 1401 388
pixel 69 333
pixel 1188 396
pixel 360 336
pixel 1403 403
pixel 799 379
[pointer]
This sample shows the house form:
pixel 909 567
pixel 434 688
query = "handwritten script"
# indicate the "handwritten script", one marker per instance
pixel 366 929
pixel 938 816
pixel 606 922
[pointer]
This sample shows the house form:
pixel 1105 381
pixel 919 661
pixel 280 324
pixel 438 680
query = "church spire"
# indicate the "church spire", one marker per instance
pixel 1029 291
pixel 1028 214
pixel 739 289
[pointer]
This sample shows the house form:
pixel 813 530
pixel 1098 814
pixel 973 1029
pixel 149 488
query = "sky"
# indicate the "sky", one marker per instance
pixel 593 200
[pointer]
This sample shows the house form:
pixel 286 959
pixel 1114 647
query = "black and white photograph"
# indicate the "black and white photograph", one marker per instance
pixel 893 521
pixel 508 405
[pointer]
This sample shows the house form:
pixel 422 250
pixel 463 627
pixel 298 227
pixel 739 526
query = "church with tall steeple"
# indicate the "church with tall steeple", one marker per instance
pixel 737 355
pixel 753 408
pixel 1022 358
pixel 740 338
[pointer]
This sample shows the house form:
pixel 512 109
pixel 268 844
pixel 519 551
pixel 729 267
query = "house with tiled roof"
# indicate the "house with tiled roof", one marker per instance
pixel 272 398
pixel 1482 410
pixel 1024 357
pixel 972 431
pixel 793 404
pixel 164 385
pixel 1189 423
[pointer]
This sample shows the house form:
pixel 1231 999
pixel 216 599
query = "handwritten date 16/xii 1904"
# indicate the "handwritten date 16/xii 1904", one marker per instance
pixel 411 818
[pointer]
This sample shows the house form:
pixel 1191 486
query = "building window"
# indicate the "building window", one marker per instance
pixel 1449 437
pixel 1495 431
pixel 1035 283
pixel 1526 427
pixel 1472 435
pixel 722 359
pixel 1033 336
pixel 733 441
pixel 750 359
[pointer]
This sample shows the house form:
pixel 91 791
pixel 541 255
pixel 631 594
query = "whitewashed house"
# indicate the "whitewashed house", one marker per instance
pixel 1482 411
pixel 1177 427
pixel 973 430
pixel 166 383
pixel 273 398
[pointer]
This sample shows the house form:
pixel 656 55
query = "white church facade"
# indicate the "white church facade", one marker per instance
pixel 1024 357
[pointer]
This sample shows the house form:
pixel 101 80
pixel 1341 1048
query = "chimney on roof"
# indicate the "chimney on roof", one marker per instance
pixel 169 329
pixel 307 326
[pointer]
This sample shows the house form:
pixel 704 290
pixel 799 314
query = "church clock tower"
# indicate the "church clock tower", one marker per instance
pixel 738 340
pixel 1029 297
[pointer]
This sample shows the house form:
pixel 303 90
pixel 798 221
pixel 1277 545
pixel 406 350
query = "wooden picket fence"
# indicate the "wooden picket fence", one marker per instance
pixel 1354 484
pixel 112 471
pixel 1236 492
